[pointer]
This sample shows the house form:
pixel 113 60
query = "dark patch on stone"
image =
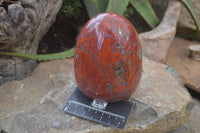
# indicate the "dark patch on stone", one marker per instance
pixel 193 93
pixel 119 70
pixel 2 131
pixel 1 9
pixel 2 44
pixel 8 33
pixel 131 52
pixel 7 70
pixel 142 113
pixel 139 53
pixel 114 50
pixel 26 5
pixel 12 68
pixel 5 7
pixel 189 107
pixel 117 45
pixel 47 17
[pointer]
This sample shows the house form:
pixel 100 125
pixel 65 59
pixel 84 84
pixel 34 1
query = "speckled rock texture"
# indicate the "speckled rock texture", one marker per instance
pixel 35 103
pixel 192 125
pixel 155 43
pixel 22 26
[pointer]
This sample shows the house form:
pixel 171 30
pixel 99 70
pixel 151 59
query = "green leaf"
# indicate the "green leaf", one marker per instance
pixel 60 55
pixel 117 6
pixel 101 5
pixel 190 8
pixel 95 7
pixel 91 7
pixel 146 11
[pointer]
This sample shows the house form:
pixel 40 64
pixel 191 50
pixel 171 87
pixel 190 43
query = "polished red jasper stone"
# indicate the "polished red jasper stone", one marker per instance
pixel 108 58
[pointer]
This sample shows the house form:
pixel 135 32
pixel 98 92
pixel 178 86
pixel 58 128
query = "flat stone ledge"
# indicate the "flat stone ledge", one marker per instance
pixel 35 103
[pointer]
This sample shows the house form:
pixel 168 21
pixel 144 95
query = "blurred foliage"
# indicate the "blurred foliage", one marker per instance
pixel 95 7
pixel 71 8
pixel 128 12
pixel 143 7
pixel 146 11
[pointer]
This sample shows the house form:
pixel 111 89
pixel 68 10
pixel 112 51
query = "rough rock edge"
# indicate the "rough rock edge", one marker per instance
pixel 154 124
pixel 177 115
pixel 23 21
pixel 22 26
pixel 161 37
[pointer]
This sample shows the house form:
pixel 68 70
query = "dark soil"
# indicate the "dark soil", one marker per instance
pixel 62 34
pixel 194 94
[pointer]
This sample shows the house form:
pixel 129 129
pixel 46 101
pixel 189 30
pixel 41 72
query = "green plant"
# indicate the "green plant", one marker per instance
pixel 128 12
pixel 190 8
pixel 95 7
pixel 146 11
pixel 117 6
pixel 44 57
pixel 70 8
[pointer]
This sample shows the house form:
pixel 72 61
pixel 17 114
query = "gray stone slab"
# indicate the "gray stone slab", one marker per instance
pixel 35 103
